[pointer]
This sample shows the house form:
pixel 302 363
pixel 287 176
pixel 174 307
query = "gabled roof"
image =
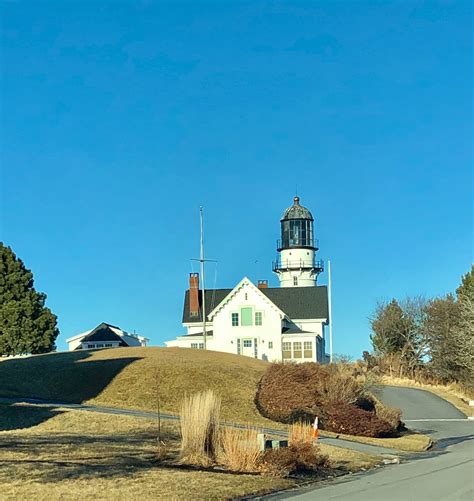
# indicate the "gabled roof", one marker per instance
pixel 245 282
pixel 103 332
pixel 296 302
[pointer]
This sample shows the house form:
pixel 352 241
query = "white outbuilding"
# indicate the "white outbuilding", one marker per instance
pixel 105 336
pixel 281 323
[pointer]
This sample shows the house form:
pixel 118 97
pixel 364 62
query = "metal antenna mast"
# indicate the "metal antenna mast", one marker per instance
pixel 330 311
pixel 202 261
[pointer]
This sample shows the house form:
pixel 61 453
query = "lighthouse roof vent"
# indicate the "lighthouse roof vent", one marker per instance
pixel 297 211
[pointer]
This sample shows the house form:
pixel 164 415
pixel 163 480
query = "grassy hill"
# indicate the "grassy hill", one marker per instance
pixel 135 377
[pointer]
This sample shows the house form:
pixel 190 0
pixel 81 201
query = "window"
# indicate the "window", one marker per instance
pixel 295 280
pixel 246 296
pixel 100 346
pixel 108 345
pixel 247 343
pixel 246 316
pixel 238 347
pixel 194 345
pixel 258 318
pixel 286 349
pixel 255 348
pixel 235 319
pixel 270 345
pixel 308 349
pixel 201 346
pixel 297 349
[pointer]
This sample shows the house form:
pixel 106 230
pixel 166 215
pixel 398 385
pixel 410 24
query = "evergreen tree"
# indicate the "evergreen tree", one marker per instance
pixel 463 335
pixel 466 288
pixel 442 321
pixel 389 327
pixel 26 324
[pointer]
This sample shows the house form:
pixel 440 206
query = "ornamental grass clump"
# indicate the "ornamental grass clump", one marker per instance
pixel 200 428
pixel 300 433
pixel 240 449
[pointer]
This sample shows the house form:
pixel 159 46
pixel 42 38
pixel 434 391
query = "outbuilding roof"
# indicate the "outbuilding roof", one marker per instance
pixel 295 302
pixel 103 332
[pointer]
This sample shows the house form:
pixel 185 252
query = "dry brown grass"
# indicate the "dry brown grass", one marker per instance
pixel 64 454
pixel 199 425
pixel 86 455
pixel 453 392
pixel 407 441
pixel 348 460
pixel 300 433
pixel 133 377
pixel 240 449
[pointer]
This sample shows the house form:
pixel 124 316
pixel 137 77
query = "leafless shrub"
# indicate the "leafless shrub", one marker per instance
pixel 296 458
pixel 390 414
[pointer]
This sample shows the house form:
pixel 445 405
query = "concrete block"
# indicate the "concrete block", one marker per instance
pixel 265 443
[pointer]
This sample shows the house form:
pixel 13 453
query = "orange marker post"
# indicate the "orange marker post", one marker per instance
pixel 315 429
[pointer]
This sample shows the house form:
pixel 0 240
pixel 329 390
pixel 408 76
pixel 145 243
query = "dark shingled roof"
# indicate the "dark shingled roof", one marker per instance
pixel 294 330
pixel 296 302
pixel 103 332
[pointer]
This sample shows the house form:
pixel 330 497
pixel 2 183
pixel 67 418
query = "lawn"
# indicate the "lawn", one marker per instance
pixel 407 442
pixel 139 378
pixel 148 378
pixel 77 454
pixel 64 454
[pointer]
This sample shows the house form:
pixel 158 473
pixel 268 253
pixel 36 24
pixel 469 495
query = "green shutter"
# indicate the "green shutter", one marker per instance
pixel 246 314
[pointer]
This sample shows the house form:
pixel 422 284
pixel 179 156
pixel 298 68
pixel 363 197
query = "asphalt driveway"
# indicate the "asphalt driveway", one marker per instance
pixel 446 473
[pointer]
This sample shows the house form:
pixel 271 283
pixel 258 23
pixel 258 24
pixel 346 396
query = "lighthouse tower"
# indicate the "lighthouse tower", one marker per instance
pixel 296 264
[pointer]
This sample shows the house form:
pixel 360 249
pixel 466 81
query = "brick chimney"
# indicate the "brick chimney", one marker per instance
pixel 193 294
pixel 263 284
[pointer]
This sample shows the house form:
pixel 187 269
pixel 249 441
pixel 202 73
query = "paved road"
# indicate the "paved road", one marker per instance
pixel 445 473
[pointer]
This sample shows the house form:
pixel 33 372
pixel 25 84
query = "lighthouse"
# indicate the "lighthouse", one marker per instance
pixel 296 264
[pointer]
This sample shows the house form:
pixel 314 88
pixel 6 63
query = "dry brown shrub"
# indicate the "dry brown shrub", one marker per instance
pixel 298 392
pixel 289 392
pixel 390 414
pixel 342 387
pixel 350 420
pixel 296 458
pixel 199 428
pixel 240 449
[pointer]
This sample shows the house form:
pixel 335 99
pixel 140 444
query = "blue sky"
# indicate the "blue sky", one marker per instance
pixel 118 120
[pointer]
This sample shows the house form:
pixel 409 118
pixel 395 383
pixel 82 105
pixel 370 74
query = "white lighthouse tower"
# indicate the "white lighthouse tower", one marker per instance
pixel 296 264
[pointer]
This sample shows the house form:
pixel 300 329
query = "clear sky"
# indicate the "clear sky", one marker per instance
pixel 118 120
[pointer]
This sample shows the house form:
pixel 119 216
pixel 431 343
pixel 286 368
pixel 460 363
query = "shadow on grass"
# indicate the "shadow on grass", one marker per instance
pixel 64 377
pixel 63 457
pixel 15 417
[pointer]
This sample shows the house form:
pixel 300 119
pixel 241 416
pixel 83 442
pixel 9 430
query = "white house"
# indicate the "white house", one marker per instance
pixel 105 336
pixel 282 323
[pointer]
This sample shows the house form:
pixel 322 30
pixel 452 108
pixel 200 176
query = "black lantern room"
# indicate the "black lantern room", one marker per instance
pixel 297 228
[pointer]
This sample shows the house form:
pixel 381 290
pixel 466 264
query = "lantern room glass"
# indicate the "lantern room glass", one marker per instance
pixel 297 233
